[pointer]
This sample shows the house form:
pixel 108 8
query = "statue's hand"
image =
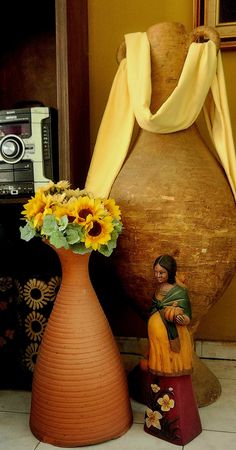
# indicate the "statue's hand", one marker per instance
pixel 182 319
pixel 170 312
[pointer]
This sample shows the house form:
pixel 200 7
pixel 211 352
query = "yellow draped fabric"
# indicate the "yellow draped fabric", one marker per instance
pixel 218 123
pixel 130 99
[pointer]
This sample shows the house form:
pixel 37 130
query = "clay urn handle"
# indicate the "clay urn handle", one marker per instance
pixel 202 33
pixel 199 34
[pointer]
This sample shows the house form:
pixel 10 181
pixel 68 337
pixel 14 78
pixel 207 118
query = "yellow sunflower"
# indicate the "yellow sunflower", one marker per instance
pixel 46 187
pixel 52 187
pixel 68 216
pixel 40 205
pixel 52 202
pixel 112 208
pixel 85 208
pixel 57 198
pixel 35 293
pixel 98 232
pixel 35 205
pixel 62 185
pixel 35 324
pixel 60 210
pixel 75 193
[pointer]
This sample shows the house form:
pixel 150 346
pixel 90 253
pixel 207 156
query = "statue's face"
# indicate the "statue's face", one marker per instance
pixel 161 274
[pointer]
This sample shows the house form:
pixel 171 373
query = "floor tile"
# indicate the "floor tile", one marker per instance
pixel 221 350
pixel 218 421
pixel 138 412
pixel 15 433
pixel 209 440
pixel 134 439
pixel 15 401
pixel 198 348
pixel 222 368
pixel 221 415
pixel 130 361
pixel 132 345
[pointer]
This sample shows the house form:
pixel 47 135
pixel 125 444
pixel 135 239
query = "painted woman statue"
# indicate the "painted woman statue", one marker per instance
pixel 170 342
pixel 172 412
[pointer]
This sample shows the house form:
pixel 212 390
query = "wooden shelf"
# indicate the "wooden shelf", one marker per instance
pixel 14 200
pixel 44 57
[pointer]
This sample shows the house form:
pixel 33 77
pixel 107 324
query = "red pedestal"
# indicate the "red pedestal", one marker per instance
pixel 172 412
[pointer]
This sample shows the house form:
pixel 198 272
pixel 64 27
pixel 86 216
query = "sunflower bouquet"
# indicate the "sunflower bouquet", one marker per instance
pixel 72 218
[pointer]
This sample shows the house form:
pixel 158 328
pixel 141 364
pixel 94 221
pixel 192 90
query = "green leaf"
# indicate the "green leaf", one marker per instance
pixel 49 225
pixel 118 226
pixel 58 240
pixel 27 232
pixel 73 235
pixel 114 235
pixel 105 250
pixel 80 248
pixel 63 222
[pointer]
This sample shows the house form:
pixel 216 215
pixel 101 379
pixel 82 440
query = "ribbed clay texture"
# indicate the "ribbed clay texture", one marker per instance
pixel 79 393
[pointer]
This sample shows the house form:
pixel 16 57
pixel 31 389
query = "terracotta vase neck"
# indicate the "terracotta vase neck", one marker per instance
pixel 169 44
pixel 73 264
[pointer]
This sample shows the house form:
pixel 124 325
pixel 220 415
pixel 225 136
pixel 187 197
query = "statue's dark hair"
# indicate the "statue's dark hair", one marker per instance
pixel 169 263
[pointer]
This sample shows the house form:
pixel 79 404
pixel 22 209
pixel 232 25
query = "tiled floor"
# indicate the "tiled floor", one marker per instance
pixel 218 421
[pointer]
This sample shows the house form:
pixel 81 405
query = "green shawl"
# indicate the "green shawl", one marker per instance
pixel 179 295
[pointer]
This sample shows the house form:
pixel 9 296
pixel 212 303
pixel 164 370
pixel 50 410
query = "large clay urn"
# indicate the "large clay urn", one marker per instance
pixel 175 199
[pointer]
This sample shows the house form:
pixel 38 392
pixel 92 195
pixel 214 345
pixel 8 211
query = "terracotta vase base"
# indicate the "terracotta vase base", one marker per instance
pixel 77 443
pixel 79 381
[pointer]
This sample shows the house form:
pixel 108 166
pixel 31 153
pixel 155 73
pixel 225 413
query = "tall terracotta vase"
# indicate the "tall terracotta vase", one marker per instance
pixel 175 199
pixel 79 393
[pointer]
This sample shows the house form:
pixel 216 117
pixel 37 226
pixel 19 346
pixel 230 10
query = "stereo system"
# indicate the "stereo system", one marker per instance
pixel 28 150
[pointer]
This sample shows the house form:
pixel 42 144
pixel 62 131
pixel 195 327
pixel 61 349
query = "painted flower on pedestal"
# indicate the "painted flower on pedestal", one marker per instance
pixel 161 413
pixel 166 403
pixel 153 418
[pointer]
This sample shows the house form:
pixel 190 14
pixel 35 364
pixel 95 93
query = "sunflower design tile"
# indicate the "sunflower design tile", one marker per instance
pixel 37 285
pixel 30 356
pixel 35 293
pixel 35 324
pixel 37 298
pixel 53 287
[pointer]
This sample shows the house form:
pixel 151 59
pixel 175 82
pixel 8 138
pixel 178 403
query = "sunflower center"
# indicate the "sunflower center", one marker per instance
pixel 84 213
pixel 96 230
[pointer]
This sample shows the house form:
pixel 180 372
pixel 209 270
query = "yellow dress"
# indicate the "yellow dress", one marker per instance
pixel 162 359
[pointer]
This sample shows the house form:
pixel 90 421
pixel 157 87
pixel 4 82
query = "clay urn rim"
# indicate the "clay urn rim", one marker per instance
pixel 199 34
